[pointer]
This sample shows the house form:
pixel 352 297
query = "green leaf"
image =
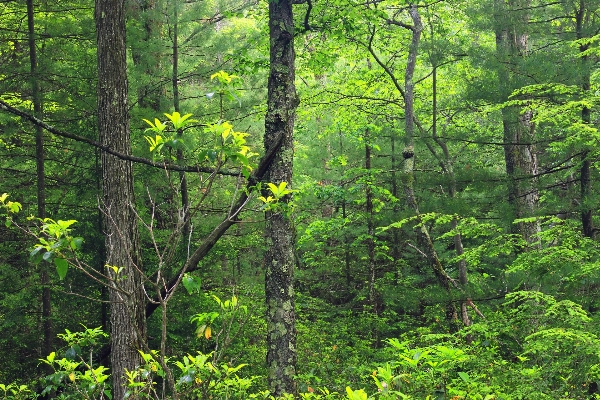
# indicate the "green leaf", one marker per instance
pixel 191 284
pixel 76 243
pixel 62 267
pixel 48 256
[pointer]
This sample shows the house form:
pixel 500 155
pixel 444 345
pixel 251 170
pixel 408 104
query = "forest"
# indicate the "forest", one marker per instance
pixel 299 199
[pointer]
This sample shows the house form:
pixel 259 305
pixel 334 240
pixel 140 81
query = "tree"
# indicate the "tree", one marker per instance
pixel 123 258
pixel 520 151
pixel 279 258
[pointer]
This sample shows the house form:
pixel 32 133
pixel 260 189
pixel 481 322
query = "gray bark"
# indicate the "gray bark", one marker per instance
pixel 127 317
pixel 409 161
pixel 279 258
pixel 520 153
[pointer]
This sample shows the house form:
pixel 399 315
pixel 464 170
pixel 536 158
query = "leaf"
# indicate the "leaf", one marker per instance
pixel 464 376
pixel 191 284
pixel 207 332
pixel 72 352
pixel 35 251
pixel 48 256
pixel 62 266
pixel 76 243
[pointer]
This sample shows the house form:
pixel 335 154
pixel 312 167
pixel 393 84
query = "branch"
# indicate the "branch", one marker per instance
pixel 192 263
pixel 184 168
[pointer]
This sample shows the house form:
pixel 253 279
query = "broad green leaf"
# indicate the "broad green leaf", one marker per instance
pixel 62 266
pixel 192 284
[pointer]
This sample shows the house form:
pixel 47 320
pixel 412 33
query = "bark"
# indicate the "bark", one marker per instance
pixel 446 164
pixel 127 317
pixel 41 178
pixel 370 225
pixel 185 202
pixel 409 161
pixel 279 258
pixel 519 131
pixel 142 54
pixel 586 164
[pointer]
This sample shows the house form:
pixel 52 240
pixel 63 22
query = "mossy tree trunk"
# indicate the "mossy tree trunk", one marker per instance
pixel 279 258
pixel 127 299
pixel 520 153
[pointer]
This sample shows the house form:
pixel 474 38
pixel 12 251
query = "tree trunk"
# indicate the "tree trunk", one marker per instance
pixel 185 202
pixel 409 162
pixel 144 55
pixel 279 258
pixel 41 178
pixel 519 131
pixel 127 317
pixel 586 164
pixel 370 225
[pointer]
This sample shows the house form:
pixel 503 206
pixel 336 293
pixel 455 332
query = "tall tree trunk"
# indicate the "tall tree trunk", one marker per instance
pixel 185 202
pixel 519 131
pixel 395 233
pixel 447 166
pixel 279 258
pixel 409 162
pixel 586 164
pixel 370 224
pixel 144 55
pixel 41 178
pixel 127 317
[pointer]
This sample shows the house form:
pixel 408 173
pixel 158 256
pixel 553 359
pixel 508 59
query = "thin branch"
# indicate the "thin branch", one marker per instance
pixel 173 167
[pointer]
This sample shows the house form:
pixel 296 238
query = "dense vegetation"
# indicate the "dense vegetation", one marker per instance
pixel 360 200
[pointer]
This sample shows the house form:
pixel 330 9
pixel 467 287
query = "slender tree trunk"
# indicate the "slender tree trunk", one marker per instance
pixel 143 55
pixel 519 131
pixel 586 164
pixel 447 165
pixel 347 242
pixel 409 161
pixel 185 202
pixel 395 233
pixel 279 258
pixel 41 178
pixel 370 224
pixel 127 317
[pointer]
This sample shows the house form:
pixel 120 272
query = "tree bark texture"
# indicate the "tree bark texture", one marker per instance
pixel 370 224
pixel 41 177
pixel 409 160
pixel 582 16
pixel 185 202
pixel 279 257
pixel 127 317
pixel 519 131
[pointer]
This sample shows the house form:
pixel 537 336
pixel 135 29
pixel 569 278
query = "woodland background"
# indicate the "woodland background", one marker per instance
pixel 441 216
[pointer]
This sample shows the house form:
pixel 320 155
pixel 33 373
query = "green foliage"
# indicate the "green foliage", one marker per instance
pixel 8 208
pixel 75 375
pixel 273 201
pixel 13 391
pixel 55 242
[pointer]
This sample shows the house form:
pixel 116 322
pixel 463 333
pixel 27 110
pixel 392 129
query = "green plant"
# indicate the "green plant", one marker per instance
pixel 75 376
pixel 13 391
